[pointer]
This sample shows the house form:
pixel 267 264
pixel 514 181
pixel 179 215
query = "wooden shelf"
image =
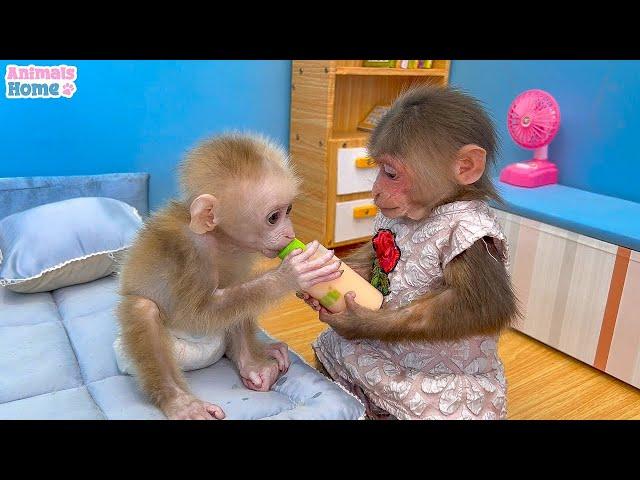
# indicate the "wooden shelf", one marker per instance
pixel 350 135
pixel 401 72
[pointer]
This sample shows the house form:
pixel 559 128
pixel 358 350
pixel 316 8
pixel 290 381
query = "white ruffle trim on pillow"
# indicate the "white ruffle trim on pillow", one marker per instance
pixel 135 210
pixel 15 281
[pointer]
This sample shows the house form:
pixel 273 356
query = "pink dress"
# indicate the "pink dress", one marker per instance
pixel 461 379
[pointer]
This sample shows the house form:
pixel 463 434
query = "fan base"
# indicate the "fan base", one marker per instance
pixel 531 174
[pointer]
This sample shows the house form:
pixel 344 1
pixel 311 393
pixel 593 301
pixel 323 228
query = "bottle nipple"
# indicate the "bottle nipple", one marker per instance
pixel 295 243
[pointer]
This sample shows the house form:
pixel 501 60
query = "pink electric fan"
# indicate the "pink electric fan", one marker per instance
pixel 533 120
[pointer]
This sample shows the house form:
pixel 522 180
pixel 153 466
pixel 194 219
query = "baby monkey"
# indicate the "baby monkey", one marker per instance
pixel 430 352
pixel 188 292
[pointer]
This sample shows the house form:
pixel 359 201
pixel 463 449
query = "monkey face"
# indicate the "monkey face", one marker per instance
pixel 411 189
pixel 277 230
pixel 263 225
pixel 393 189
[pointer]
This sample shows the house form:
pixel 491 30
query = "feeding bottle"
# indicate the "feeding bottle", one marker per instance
pixel 331 294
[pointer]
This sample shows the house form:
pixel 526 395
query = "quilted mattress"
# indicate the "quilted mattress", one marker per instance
pixel 57 362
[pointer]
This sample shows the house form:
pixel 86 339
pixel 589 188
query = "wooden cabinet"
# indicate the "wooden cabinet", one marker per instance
pixel 328 100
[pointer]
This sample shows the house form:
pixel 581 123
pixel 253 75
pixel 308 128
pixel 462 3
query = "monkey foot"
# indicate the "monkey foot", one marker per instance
pixel 260 376
pixel 280 352
pixel 188 407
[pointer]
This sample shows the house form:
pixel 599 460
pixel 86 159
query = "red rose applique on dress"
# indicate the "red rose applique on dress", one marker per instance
pixel 387 256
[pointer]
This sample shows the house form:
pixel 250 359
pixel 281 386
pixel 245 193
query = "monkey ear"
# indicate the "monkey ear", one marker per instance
pixel 203 214
pixel 469 164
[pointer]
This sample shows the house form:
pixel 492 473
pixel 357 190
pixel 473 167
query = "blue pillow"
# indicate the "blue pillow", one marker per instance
pixel 64 243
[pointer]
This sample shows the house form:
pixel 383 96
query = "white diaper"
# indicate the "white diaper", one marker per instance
pixel 190 352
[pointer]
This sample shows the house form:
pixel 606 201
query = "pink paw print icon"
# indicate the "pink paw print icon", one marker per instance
pixel 68 89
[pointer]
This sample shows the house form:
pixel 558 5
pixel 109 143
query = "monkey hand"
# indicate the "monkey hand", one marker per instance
pixel 350 323
pixel 260 375
pixel 185 406
pixel 299 271
pixel 309 300
pixel 280 353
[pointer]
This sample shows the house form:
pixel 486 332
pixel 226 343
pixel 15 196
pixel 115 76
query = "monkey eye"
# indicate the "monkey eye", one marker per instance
pixel 273 218
pixel 289 209
pixel 390 171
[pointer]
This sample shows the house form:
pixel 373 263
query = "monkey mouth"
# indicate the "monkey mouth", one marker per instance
pixel 392 212
pixel 383 207
pixel 388 209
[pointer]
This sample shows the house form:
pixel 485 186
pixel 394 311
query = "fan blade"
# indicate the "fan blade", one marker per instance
pixel 523 106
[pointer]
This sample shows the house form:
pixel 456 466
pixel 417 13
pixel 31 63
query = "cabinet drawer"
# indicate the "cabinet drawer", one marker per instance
pixel 354 219
pixel 355 171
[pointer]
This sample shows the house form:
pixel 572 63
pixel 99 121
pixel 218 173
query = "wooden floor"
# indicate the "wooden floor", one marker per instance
pixel 543 382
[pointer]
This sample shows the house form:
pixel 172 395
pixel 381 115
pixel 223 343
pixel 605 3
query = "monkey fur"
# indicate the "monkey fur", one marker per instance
pixel 189 269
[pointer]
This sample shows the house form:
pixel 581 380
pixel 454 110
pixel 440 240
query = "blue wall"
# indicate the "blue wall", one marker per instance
pixel 129 116
pixel 142 115
pixel 598 145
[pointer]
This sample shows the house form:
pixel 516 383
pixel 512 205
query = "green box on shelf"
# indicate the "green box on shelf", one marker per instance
pixel 379 63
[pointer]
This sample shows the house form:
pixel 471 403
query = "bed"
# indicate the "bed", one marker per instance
pixel 56 353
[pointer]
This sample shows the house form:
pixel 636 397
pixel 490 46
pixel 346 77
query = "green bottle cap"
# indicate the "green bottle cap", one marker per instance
pixel 295 243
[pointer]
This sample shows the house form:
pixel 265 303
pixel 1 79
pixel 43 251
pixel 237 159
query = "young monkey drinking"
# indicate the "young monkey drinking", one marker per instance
pixel 439 256
pixel 188 295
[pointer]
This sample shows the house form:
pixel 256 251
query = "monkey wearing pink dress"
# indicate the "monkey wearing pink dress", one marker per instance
pixel 440 257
